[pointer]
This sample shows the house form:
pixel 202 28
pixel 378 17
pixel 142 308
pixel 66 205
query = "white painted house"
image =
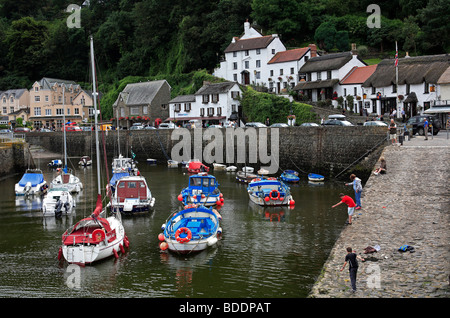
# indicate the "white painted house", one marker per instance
pixel 321 75
pixel 262 60
pixel 417 84
pixel 213 103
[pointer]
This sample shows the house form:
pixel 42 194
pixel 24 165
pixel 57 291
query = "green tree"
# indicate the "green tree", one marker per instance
pixel 342 41
pixel 325 36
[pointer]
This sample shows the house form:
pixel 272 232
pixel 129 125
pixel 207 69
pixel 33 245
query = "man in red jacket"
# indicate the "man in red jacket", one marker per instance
pixel 351 206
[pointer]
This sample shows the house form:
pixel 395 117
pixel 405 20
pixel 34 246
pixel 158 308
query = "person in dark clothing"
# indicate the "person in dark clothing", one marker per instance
pixel 351 258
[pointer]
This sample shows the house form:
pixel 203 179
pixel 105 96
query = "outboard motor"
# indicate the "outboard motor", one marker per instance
pixel 58 209
pixel 27 188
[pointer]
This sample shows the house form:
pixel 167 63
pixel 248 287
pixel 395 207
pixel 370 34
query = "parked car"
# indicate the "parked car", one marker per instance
pixel 73 128
pixel 335 122
pixel 21 129
pixel 255 124
pixel 309 125
pixel 416 123
pixel 149 127
pixel 136 127
pixel 45 130
pixel 167 126
pixel 279 125
pixel 5 131
pixel 215 126
pixel 375 123
pixel 337 117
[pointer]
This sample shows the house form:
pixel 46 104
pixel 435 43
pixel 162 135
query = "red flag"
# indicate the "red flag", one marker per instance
pixel 396 55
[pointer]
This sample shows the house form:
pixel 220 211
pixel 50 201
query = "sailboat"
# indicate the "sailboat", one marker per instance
pixel 96 237
pixel 65 176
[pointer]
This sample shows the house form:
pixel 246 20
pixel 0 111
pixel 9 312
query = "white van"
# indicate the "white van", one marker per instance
pixel 337 117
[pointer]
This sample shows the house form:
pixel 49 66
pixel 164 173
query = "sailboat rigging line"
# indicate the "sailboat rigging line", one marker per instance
pixel 160 143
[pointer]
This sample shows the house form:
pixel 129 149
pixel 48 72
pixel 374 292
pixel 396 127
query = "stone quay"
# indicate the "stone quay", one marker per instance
pixel 409 205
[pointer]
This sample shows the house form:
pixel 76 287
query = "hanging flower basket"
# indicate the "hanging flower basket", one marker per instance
pixel 121 118
pixel 126 118
pixel 291 117
pixel 322 92
pixel 400 97
pixel 335 96
pixel 138 117
pixel 112 119
pixel 280 78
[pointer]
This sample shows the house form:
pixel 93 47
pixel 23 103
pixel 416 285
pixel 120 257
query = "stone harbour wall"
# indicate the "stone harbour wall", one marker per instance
pixel 326 150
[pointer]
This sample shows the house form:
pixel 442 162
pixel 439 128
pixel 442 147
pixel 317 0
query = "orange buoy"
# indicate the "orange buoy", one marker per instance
pixel 163 246
pixel 161 237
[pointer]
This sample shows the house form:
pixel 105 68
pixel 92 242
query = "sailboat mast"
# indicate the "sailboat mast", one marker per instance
pixel 64 126
pixel 94 96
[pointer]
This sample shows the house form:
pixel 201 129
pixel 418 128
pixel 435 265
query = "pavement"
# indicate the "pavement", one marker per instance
pixel 409 205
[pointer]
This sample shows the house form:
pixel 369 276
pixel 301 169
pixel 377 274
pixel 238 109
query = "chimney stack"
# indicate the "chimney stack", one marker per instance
pixel 354 50
pixel 313 48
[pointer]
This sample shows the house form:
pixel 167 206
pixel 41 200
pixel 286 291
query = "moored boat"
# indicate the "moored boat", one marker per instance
pixel 67 179
pixel 219 167
pixel 290 176
pixel 245 177
pixel 172 163
pixel 132 196
pixel 57 202
pixel 202 189
pixel 269 191
pixel 85 161
pixel 314 177
pixel 55 163
pixel 231 169
pixel 196 167
pixel 31 183
pixel 191 230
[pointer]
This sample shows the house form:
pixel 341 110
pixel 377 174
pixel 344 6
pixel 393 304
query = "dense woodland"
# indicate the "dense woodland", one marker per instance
pixel 175 39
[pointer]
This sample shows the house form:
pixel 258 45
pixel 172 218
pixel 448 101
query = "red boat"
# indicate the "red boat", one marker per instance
pixel 197 167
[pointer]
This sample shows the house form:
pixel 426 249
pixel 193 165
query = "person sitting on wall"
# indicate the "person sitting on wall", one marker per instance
pixel 382 168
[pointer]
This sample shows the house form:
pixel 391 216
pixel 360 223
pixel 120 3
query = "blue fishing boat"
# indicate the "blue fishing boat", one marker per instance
pixel 191 230
pixel 290 176
pixel 315 177
pixel 203 188
pixel 269 192
pixel 55 163
pixel 32 182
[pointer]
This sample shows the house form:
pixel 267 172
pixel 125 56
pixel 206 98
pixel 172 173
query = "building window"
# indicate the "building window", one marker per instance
pixel 247 64
pixel 235 95
pixel 234 65
pixel 271 72
pixel 134 110
pixel 234 54
pixel 319 76
pixel 210 111
pixel 235 77
pixel 426 88
pixel 345 92
pixel 202 112
pixel 408 89
pixel 281 71
pixel 394 88
pixel 246 52
pixel 215 98
pixel 205 99
pixel 36 89
pixel 273 51
pixel 258 51
pixel 177 108
pixel 5 110
pixel 37 111
pixel 60 111
pixel 145 109
pixel 37 98
pixel 233 108
pixel 258 63
pixel 76 111
pixel 219 111
pixel 187 107
pixel 292 70
pixel 355 91
pixel 328 74
pixel 122 112
pixel 68 111
pixel 308 77
pixel 258 75
pixel 48 112
pixel 374 90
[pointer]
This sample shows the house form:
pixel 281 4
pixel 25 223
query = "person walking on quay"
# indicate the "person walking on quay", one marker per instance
pixel 393 131
pixel 351 259
pixel 357 186
pixel 350 204
pixel 425 128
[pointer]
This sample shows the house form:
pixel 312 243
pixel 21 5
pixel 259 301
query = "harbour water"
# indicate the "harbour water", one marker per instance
pixel 264 252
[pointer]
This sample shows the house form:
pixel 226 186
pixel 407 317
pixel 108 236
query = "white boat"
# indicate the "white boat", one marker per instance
pixel 57 202
pixel 172 163
pixel 248 169
pixel 191 230
pixel 132 196
pixel 269 191
pixel 263 172
pixel 85 161
pixel 67 179
pixel 219 166
pixel 231 169
pixel 122 164
pixel 55 163
pixel 151 161
pixel 96 237
pixel 31 183
pixel 314 177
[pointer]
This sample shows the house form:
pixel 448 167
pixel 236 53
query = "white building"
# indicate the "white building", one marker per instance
pixel 321 75
pixel 262 60
pixel 417 86
pixel 212 104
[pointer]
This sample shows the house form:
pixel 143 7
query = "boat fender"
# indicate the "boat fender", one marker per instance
pixel 60 253
pixel 161 237
pixel 211 240
pixel 121 248
pixel 126 243
pixel 291 202
pixel 267 199
pixel 163 246
pixel 183 240
pixel 180 198
pixel 163 227
pixel 219 230
pixel 116 255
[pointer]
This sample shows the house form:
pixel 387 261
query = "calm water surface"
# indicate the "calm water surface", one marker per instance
pixel 264 253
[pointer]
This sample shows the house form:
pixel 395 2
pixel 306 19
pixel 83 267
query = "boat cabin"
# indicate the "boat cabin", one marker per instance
pixel 131 189
pixel 203 183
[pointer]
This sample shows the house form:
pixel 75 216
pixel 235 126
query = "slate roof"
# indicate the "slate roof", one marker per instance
pixel 289 55
pixel 16 93
pixel 140 93
pixel 249 44
pixel 183 99
pixel 215 88
pixel 47 82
